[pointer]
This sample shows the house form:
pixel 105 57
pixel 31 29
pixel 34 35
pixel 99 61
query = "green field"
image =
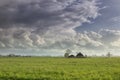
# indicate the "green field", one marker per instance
pixel 38 68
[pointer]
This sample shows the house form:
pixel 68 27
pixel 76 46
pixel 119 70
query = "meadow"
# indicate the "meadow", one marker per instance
pixel 45 68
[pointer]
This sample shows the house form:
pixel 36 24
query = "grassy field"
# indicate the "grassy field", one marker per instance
pixel 37 68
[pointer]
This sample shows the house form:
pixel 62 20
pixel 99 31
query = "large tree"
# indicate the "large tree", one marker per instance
pixel 67 52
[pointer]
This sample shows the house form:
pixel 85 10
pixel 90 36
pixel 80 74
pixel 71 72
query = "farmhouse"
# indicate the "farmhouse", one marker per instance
pixel 79 55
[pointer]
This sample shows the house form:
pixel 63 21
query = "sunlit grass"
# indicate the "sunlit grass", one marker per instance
pixel 37 68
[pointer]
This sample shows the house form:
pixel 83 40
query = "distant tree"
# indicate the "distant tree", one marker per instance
pixel 79 55
pixel 11 55
pixel 85 55
pixel 66 55
pixel 67 52
pixel 109 54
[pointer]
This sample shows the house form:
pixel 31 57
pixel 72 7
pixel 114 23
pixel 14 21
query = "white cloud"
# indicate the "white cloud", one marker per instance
pixel 115 19
pixel 116 43
pixel 109 36
pixel 86 42
pixel 2 45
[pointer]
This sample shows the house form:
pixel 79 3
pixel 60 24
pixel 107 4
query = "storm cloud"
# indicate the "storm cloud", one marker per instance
pixel 46 18
pixel 50 24
pixel 47 13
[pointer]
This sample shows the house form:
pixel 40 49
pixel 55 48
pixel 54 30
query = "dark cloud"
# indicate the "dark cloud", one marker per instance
pixel 46 24
pixel 45 13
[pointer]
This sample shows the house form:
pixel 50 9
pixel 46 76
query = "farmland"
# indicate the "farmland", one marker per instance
pixel 45 68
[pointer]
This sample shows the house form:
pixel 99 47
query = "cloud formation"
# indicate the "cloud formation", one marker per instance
pixel 47 13
pixel 25 23
pixel 50 25
pixel 115 19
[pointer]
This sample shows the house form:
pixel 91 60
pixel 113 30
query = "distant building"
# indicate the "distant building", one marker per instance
pixel 71 56
pixel 79 55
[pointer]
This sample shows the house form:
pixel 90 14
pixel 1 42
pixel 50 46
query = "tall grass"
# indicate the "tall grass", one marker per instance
pixel 37 68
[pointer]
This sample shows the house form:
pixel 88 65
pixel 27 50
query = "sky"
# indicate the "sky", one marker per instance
pixel 49 27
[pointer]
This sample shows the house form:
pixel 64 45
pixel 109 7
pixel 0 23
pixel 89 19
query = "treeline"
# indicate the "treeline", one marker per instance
pixel 81 55
pixel 13 55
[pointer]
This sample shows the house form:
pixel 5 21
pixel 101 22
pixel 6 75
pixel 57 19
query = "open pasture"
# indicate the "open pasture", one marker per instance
pixel 45 68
